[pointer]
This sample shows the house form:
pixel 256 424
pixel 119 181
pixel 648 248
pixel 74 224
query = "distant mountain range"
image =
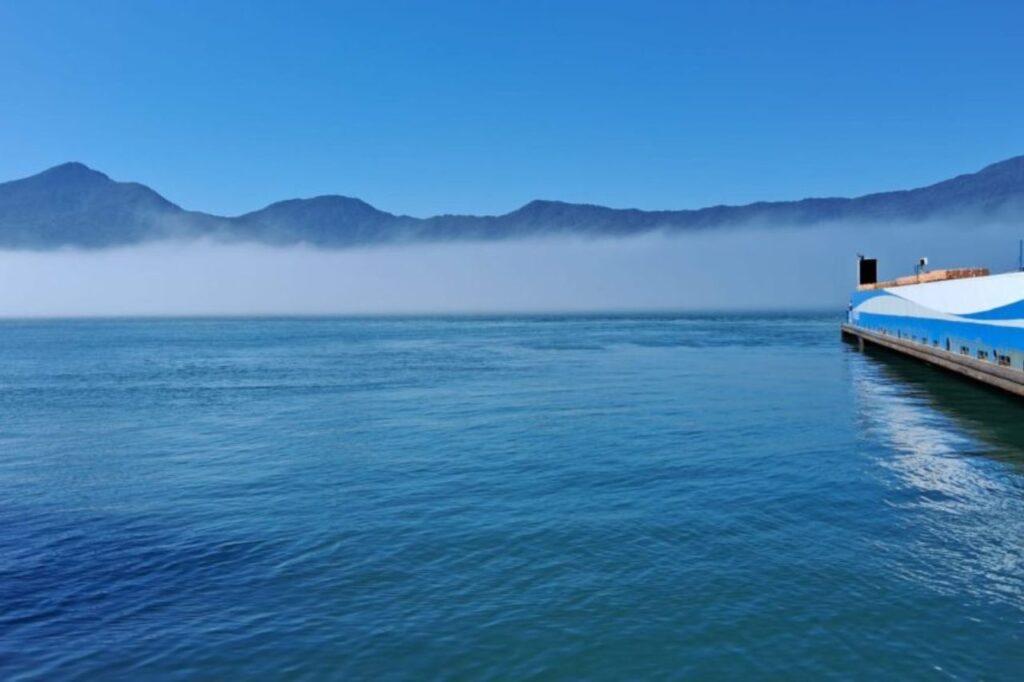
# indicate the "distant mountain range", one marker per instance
pixel 72 205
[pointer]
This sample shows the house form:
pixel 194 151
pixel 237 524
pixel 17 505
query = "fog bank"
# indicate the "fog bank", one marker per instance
pixel 751 268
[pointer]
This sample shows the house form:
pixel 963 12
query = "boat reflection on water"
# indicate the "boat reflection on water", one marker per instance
pixel 951 455
pixel 995 420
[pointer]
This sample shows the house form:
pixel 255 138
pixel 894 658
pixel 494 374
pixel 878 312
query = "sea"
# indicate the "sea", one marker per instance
pixel 552 497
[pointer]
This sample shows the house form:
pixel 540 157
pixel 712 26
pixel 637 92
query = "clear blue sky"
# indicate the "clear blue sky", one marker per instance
pixel 479 107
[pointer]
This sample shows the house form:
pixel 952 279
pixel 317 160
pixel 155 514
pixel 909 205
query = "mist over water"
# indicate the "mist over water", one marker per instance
pixel 746 268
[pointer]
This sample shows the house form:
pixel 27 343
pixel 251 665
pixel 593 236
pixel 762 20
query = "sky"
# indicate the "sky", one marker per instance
pixel 478 107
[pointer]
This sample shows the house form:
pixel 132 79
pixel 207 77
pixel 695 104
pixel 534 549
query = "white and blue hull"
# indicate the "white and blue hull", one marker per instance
pixel 982 317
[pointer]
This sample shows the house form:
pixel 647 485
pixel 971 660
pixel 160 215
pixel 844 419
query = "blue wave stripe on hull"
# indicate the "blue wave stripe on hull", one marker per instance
pixel 1006 340
pixel 860 297
pixel 1010 311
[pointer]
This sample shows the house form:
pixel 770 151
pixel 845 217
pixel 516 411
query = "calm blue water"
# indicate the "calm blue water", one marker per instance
pixel 500 498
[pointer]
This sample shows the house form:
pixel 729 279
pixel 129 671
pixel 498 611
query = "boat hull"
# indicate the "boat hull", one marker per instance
pixel 981 317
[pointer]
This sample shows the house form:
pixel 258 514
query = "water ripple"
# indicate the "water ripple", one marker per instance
pixel 579 497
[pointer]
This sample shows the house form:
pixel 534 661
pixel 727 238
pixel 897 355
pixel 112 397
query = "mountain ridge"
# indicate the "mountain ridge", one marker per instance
pixel 73 205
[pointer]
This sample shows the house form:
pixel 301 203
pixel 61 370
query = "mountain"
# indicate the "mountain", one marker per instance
pixel 327 220
pixel 72 205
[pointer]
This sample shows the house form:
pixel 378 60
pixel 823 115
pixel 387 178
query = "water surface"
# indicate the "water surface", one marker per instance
pixel 600 497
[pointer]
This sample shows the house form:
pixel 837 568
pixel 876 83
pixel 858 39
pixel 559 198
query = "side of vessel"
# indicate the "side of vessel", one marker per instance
pixel 966 320
pixel 978 315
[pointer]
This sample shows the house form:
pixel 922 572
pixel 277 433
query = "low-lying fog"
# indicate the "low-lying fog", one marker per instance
pixel 748 269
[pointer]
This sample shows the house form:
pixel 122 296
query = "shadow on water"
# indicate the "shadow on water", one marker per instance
pixel 992 416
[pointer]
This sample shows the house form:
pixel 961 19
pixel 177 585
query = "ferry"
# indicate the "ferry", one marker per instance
pixel 966 320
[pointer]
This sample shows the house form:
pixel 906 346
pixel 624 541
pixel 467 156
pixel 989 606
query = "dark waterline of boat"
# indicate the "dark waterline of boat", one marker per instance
pixel 713 496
